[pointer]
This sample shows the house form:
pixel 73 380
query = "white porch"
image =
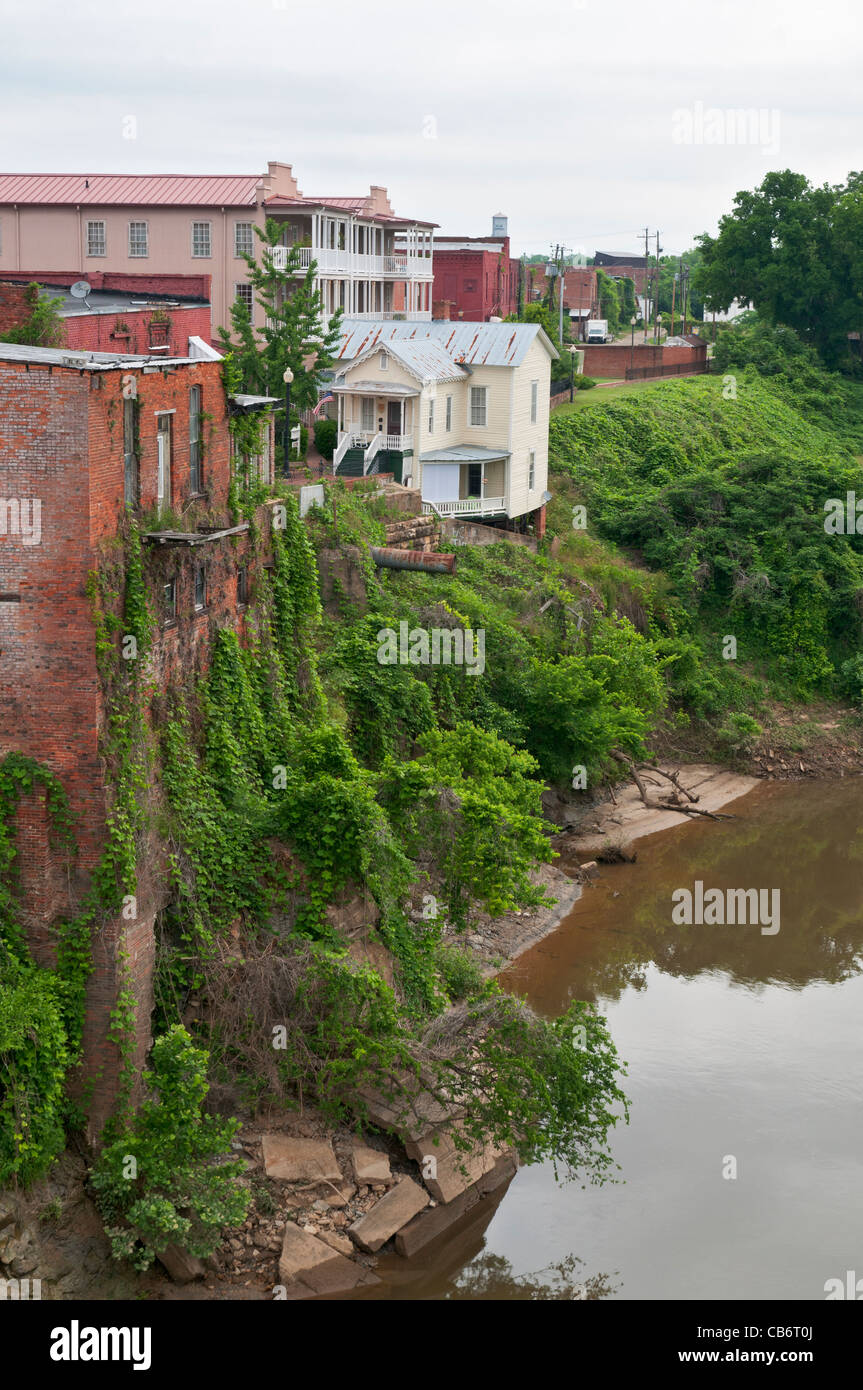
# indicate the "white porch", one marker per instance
pixel 465 481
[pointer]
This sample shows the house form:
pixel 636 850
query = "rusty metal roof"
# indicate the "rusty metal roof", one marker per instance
pixel 473 344
pixel 425 359
pixel 102 190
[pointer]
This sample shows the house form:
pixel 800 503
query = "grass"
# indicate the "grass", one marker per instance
pixel 601 395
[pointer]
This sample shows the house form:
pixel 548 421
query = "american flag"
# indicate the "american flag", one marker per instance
pixel 322 402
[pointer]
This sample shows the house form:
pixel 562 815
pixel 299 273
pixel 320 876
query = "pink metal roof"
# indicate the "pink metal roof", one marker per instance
pixel 358 207
pixel 197 190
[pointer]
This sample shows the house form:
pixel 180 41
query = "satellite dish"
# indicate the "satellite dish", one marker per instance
pixel 547 496
pixel 80 289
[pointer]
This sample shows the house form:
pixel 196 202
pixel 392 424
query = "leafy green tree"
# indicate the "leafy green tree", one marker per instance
pixel 295 327
pixel 792 251
pixel 537 313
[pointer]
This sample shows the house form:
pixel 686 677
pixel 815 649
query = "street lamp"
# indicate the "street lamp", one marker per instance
pixel 572 351
pixel 632 322
pixel 287 378
pixel 657 336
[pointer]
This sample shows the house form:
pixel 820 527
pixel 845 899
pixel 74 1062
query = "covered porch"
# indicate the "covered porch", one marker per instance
pixel 465 480
pixel 375 418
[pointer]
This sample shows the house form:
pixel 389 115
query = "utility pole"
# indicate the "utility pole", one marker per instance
pixel 646 281
pixel 685 287
pixel 656 290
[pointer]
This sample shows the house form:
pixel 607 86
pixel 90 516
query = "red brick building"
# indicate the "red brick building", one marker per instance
pixel 123 313
pixel 580 295
pixel 82 436
pixel 475 278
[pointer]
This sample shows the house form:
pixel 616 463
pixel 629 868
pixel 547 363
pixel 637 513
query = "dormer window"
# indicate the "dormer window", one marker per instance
pixel 384 361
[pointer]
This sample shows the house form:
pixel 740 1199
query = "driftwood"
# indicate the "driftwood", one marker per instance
pixel 674 797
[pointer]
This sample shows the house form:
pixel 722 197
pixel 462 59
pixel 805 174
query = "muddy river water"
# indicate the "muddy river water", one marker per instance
pixel 744 1053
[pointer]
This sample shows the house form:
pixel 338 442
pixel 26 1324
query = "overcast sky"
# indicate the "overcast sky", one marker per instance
pixel 583 121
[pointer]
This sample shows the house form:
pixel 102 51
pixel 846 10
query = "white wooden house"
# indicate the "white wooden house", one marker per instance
pixel 458 410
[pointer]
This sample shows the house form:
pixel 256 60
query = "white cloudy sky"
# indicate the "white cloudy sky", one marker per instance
pixel 560 113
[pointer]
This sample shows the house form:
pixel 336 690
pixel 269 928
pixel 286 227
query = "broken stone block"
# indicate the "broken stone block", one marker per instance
pixel 299 1160
pixel 428 1225
pixel 387 1216
pixel 181 1266
pixel 308 1261
pixel 370 1166
pixel 448 1171
pixel 338 1242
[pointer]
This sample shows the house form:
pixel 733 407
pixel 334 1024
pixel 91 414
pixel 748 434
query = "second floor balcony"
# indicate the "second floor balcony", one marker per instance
pixel 350 264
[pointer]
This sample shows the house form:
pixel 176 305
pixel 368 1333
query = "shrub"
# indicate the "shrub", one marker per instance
pixel 163 1179
pixel 326 434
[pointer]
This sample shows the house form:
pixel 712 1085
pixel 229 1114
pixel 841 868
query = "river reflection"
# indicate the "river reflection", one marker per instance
pixel 739 1046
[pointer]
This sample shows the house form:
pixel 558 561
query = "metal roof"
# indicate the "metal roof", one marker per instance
pixel 425 359
pixel 464 453
pixel 473 344
pixel 86 361
pixel 374 388
pixel 246 402
pixel 190 190
pixel 354 207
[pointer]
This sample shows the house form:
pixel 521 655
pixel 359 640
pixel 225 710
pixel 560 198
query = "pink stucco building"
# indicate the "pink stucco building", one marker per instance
pixel 187 224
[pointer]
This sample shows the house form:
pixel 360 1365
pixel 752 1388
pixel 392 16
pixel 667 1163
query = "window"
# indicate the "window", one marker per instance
pixel 242 586
pixel 478 405
pixel 449 412
pixel 96 245
pixel 367 414
pixel 534 397
pixel 469 286
pixel 130 461
pixel 169 601
pixel 202 238
pixel 244 242
pixel 139 239
pixel 531 471
pixel 195 479
pixel 383 361
pixel 431 416
pixel 200 589
pixel 163 455
pixel 244 294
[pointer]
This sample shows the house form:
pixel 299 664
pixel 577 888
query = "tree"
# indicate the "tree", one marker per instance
pixel 609 299
pixel 537 313
pixel 295 327
pixel 792 251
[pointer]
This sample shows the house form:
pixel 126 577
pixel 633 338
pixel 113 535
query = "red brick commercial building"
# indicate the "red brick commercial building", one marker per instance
pixel 83 437
pixel 122 313
pixel 475 278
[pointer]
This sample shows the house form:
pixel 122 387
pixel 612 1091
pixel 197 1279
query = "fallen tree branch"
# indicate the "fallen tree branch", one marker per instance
pixel 673 801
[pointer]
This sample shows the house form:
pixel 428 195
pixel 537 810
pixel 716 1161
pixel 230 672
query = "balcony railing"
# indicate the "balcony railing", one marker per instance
pixel 331 261
pixel 466 506
pixel 385 315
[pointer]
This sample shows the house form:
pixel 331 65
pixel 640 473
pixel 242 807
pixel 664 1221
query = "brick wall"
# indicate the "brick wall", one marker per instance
pixel 130 330
pixel 61 443
pixel 612 359
pixel 14 307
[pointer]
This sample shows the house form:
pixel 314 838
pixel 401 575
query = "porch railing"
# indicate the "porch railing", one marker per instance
pixel 465 506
